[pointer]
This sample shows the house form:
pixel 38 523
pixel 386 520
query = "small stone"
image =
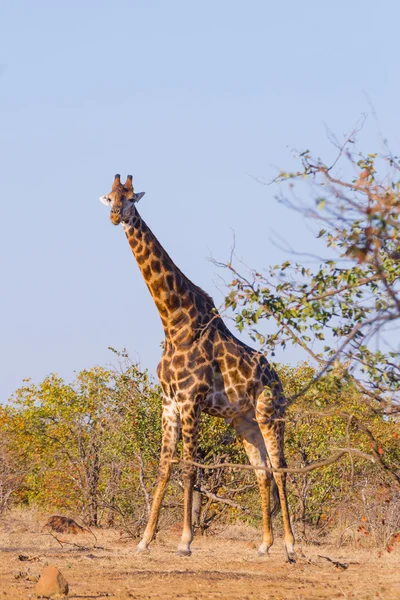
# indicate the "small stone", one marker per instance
pixel 20 574
pixel 52 583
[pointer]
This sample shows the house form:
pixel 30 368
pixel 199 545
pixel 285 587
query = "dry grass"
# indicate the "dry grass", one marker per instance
pixel 221 567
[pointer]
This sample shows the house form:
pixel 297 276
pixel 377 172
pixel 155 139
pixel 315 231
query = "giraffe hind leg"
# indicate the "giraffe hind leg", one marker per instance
pixel 269 415
pixel 249 432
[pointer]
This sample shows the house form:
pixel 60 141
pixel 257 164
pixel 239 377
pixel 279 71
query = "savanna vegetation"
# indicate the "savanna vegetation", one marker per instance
pixel 90 447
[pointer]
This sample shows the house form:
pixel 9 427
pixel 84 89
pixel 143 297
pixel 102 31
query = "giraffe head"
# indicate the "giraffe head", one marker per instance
pixel 121 199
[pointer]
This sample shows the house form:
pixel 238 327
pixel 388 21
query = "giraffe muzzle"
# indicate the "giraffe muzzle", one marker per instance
pixel 115 217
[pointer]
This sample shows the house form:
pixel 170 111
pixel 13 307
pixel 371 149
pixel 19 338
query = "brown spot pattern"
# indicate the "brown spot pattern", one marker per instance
pixel 205 368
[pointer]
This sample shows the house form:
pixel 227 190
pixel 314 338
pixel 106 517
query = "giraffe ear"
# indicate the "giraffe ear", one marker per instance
pixel 105 200
pixel 138 196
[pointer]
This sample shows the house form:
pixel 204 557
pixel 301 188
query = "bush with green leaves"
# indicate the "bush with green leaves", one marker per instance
pixel 90 448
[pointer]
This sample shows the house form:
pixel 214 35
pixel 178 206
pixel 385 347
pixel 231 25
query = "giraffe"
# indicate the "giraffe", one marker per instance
pixel 204 367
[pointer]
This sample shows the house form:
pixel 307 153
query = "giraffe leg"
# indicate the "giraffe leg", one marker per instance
pixel 248 430
pixel 170 438
pixel 269 414
pixel 190 417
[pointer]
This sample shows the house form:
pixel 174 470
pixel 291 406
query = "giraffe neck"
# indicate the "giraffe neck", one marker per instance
pixel 184 308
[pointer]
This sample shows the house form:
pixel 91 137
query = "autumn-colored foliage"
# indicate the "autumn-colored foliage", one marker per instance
pixel 90 448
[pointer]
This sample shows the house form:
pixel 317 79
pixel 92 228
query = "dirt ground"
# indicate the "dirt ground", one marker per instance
pixel 219 568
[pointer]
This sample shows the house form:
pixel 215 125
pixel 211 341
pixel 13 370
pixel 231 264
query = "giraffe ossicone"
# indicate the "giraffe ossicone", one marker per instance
pixel 204 368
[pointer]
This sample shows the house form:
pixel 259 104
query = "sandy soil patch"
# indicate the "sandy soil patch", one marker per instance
pixel 218 568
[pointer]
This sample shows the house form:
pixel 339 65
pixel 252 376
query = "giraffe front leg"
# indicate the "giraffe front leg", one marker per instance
pixel 170 437
pixel 190 417
pixel 272 427
pixel 249 432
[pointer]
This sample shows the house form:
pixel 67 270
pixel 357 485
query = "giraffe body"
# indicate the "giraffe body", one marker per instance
pixel 204 368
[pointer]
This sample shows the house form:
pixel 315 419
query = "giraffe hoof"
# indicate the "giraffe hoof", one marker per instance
pixel 291 557
pixel 184 552
pixel 263 549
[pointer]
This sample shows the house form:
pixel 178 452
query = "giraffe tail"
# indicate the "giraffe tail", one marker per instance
pixel 275 496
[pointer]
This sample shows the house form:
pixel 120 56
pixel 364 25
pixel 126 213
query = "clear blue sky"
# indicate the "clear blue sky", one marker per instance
pixel 190 97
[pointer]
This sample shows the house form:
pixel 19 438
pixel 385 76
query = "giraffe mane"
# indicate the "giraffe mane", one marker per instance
pixel 197 289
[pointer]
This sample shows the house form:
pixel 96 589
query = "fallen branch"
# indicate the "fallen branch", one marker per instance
pixel 337 564
pixel 25 558
pixel 62 542
pixel 311 467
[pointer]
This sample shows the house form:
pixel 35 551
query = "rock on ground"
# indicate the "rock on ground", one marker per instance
pixel 52 583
